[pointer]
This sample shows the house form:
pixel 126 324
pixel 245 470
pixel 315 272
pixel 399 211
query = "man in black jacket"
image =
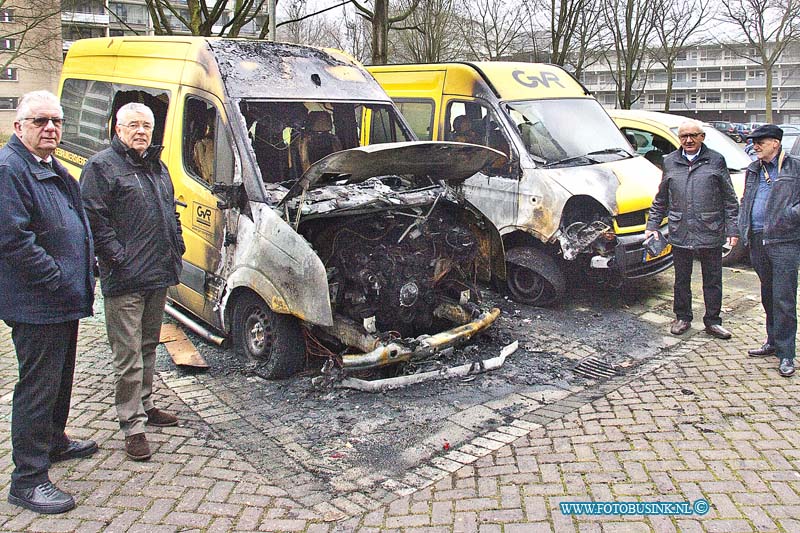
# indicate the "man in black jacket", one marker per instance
pixel 770 222
pixel 129 199
pixel 46 286
pixel 697 195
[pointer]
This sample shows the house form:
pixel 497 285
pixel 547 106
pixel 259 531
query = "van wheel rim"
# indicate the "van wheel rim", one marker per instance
pixel 258 332
pixel 527 283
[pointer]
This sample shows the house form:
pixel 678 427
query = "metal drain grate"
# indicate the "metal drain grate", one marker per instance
pixel 594 368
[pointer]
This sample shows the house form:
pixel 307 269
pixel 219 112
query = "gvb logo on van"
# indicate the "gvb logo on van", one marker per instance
pixel 532 80
pixel 203 217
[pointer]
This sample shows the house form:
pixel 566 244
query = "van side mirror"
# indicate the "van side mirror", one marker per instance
pixel 232 195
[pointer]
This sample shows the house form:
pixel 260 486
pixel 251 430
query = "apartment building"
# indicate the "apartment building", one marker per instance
pixel 713 82
pixel 30 53
pixel 82 19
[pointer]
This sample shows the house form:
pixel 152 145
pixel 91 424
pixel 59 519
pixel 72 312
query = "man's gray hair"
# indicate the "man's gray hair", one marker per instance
pixel 692 122
pixel 131 108
pixel 33 98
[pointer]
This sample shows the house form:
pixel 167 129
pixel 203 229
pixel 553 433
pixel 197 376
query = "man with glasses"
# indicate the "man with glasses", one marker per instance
pixel 770 222
pixel 129 198
pixel 47 285
pixel 697 195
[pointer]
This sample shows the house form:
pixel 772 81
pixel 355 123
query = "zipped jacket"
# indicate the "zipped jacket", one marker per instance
pixel 46 253
pixel 782 222
pixel 129 200
pixel 698 199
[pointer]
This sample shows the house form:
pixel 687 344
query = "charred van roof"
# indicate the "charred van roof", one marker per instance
pixel 270 70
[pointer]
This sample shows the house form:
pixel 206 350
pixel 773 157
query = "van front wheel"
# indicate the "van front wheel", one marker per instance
pixel 534 277
pixel 273 341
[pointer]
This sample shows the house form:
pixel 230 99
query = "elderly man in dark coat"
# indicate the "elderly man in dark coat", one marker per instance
pixel 46 284
pixel 697 195
pixel 770 222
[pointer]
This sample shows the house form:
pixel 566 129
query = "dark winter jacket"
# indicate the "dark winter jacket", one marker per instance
pixel 782 222
pixel 130 203
pixel 46 252
pixel 698 199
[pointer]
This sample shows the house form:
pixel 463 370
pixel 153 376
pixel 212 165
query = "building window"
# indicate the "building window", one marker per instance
pixel 711 75
pixel 8 44
pixel 8 102
pixel 8 74
pixel 734 75
pixel 711 98
pixel 6 15
pixel 678 98
pixel 733 96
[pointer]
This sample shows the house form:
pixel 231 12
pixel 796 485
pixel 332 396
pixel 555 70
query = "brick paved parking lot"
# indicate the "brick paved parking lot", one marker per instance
pixel 702 420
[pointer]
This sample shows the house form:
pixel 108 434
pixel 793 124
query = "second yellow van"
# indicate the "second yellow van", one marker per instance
pixel 571 194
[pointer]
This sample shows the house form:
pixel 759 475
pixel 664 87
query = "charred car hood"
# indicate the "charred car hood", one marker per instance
pixel 448 161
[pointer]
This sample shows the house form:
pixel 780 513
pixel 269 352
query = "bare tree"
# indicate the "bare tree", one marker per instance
pixel 353 36
pixel 27 33
pixel 631 25
pixel 492 29
pixel 768 27
pixel 302 27
pixel 381 22
pixel 432 35
pixel 677 22
pixel 200 17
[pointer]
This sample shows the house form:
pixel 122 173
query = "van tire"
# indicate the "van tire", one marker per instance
pixel 273 341
pixel 534 277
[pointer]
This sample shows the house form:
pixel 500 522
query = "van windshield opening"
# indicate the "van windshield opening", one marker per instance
pixel 568 132
pixel 289 137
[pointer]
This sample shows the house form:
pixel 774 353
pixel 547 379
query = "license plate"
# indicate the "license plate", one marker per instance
pixel 666 251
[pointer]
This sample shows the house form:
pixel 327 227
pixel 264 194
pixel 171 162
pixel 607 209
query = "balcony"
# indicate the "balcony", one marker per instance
pixel 84 18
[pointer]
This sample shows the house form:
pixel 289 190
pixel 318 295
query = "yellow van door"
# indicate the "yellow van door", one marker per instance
pixel 194 164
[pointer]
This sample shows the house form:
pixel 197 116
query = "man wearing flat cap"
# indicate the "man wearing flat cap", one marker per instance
pixel 770 224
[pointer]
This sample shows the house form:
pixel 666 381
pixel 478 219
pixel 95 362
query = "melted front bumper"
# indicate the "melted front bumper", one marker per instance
pixel 423 346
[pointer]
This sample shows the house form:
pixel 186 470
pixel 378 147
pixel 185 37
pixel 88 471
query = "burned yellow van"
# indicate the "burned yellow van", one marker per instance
pixel 570 193
pixel 312 225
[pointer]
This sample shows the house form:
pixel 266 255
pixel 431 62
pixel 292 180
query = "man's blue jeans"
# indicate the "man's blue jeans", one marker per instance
pixel 777 266
pixel 785 260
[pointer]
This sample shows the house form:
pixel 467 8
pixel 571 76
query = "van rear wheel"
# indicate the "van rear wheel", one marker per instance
pixel 534 277
pixel 273 341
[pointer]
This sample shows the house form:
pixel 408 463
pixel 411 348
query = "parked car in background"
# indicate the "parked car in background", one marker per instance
pixel 743 130
pixel 728 128
pixel 656 135
pixel 790 134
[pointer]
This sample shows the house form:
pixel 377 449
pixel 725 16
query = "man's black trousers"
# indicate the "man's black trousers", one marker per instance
pixel 711 267
pixel 46 358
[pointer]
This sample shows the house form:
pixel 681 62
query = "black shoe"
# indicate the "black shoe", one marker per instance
pixel 765 350
pixel 679 326
pixel 715 330
pixel 74 450
pixel 786 368
pixel 45 498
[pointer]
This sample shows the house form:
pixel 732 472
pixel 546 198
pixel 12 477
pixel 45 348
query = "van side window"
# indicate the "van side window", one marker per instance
pixel 199 125
pixel 471 122
pixel 383 127
pixel 86 104
pixel 90 109
pixel 419 114
pixel 653 147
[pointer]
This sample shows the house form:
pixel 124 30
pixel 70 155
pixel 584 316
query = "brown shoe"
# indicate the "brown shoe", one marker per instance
pixel 679 326
pixel 715 330
pixel 136 447
pixel 161 419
